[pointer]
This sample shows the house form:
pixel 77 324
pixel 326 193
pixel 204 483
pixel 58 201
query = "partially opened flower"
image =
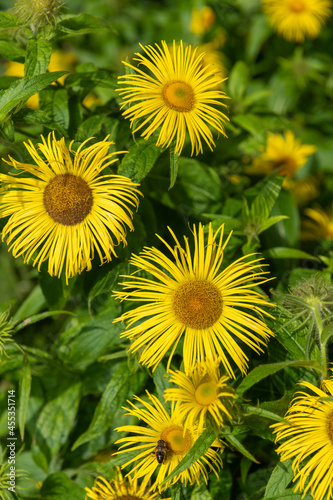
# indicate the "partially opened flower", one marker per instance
pixel 166 432
pixel 308 440
pixel 286 153
pixel 319 224
pixel 64 211
pixel 215 310
pixel 177 95
pixel 202 393
pixel 119 488
pixel 296 20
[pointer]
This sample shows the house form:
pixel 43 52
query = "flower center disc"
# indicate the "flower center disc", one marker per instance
pixel 206 393
pixel 330 426
pixel 297 5
pixel 178 442
pixel 178 96
pixel 197 304
pixel 68 199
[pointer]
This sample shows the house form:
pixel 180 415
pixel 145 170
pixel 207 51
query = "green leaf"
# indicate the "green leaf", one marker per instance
pixel 261 412
pixel 262 205
pixel 80 24
pixel 326 333
pixel 226 434
pixel 11 50
pixel 7 129
pixel 161 382
pixel 176 491
pixel 32 305
pixel 57 418
pixel 7 20
pixel 113 397
pixel 263 371
pixel 279 480
pixel 24 395
pixel 39 317
pixel 59 487
pixel 38 57
pixel 174 165
pixel 201 493
pixel 265 224
pixel 60 108
pixel 198 450
pixel 90 127
pixel 55 290
pixel 238 80
pixel 140 159
pixel 24 88
pixel 259 31
pixel 252 124
pixel 90 79
pixel 288 253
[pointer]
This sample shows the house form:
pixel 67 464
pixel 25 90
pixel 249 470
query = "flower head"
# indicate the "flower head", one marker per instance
pixel 286 153
pixel 37 13
pixel 119 488
pixel 178 96
pixel 202 20
pixel 308 440
pixel 177 442
pixel 201 393
pixel 296 20
pixel 215 310
pixel 64 211
pixel 319 224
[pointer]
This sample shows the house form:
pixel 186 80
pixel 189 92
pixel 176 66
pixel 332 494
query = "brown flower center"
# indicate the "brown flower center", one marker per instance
pixel 178 96
pixel 297 5
pixel 330 426
pixel 178 442
pixel 68 199
pixel 197 304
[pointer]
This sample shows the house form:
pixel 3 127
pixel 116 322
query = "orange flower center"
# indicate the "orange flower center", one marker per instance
pixel 178 96
pixel 67 199
pixel 197 304
pixel 297 5
pixel 178 442
pixel 206 393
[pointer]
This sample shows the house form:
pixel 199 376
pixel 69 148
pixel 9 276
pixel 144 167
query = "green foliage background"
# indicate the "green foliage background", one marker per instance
pixel 69 367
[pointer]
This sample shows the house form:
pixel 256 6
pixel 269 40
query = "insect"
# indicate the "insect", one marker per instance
pixel 160 451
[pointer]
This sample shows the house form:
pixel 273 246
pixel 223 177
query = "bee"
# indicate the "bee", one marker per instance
pixel 160 451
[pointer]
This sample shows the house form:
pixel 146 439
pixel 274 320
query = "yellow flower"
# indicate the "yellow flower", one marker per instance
pixel 178 441
pixel 216 310
pixel 59 61
pixel 286 153
pixel 179 96
pixel 203 391
pixel 119 488
pixel 319 224
pixel 304 190
pixel 64 211
pixel 296 20
pixel 309 440
pixel 202 20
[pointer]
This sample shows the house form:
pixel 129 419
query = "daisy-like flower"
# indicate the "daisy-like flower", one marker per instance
pixel 64 211
pixel 176 440
pixel 178 95
pixel 119 488
pixel 286 153
pixel 296 20
pixel 308 439
pixel 318 225
pixel 216 310
pixel 202 20
pixel 201 393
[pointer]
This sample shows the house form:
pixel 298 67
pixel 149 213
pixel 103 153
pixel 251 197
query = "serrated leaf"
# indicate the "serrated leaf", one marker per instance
pixel 140 159
pixel 287 253
pixel 263 371
pixel 279 480
pixel 174 166
pixel 38 57
pixel 326 333
pixel 11 50
pixel 24 88
pixel 112 399
pixel 198 450
pixel 228 436
pixel 58 486
pixel 24 395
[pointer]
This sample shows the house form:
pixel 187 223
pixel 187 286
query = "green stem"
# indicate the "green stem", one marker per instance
pixel 321 344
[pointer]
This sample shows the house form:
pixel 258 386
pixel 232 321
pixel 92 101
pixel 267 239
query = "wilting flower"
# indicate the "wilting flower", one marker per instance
pixel 119 488
pixel 216 310
pixel 296 20
pixel 176 443
pixel 64 211
pixel 286 153
pixel 180 96
pixel 202 20
pixel 318 225
pixel 202 393
pixel 308 435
